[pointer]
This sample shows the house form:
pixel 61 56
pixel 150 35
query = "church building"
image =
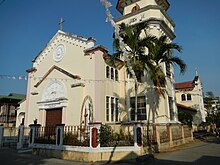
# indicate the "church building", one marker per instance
pixel 190 94
pixel 73 81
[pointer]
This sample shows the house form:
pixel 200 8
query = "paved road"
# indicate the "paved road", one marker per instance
pixel 207 152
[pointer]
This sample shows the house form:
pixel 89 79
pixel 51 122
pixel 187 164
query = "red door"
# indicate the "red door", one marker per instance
pixel 53 117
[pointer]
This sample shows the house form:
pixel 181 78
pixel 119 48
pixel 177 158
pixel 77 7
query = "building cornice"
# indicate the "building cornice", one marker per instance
pixel 31 70
pixel 122 3
pixel 163 26
pixel 145 9
pixel 95 48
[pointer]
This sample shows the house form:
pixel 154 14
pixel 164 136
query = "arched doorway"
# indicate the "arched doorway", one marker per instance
pixel 86 112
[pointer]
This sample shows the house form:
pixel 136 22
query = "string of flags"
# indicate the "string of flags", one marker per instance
pixel 13 77
pixel 21 77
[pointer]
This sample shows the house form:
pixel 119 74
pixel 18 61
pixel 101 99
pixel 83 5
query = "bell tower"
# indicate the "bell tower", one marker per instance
pixel 154 12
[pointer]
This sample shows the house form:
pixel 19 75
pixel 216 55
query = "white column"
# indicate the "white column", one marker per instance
pixel 20 137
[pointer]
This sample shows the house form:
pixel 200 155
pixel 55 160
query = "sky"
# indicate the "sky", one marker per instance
pixel 27 25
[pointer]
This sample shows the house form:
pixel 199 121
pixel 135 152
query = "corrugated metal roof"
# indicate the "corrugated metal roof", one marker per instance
pixel 14 96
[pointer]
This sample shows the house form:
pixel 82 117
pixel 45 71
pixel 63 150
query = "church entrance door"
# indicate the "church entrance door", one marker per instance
pixel 53 117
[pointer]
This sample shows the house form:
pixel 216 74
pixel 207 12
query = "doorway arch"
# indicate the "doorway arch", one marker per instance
pixel 86 111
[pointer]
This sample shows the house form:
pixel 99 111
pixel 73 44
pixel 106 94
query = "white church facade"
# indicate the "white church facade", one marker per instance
pixel 72 81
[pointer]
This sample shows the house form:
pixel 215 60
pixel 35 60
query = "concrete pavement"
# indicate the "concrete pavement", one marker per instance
pixel 12 157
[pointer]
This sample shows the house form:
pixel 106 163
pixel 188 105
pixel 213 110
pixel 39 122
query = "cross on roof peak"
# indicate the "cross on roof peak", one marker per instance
pixel 61 23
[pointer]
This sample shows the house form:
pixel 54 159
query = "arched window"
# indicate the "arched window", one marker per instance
pixel 135 8
pixel 112 73
pixel 183 97
pixel 116 75
pixel 189 97
pixel 107 71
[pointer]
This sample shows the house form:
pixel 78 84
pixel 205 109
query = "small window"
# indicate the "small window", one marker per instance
pixel 112 109
pixel 117 109
pixel 107 108
pixel 116 75
pixel 183 97
pixel 107 72
pixel 170 100
pixel 112 73
pixel 189 97
pixel 135 8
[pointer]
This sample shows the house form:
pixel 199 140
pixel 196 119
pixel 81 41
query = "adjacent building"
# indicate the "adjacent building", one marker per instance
pixel 190 94
pixel 8 105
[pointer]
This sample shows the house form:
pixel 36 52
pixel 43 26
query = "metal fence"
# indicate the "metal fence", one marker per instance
pixel 76 136
pixel 45 135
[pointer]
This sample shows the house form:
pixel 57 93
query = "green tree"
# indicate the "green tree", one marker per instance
pixel 148 52
pixel 136 46
pixel 161 51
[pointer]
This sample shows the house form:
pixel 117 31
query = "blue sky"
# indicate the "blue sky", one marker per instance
pixel 27 25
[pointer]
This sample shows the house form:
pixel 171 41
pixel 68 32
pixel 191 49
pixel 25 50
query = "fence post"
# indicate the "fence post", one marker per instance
pixel 94 135
pixel 191 133
pixel 156 136
pixel 138 135
pixel 34 130
pixel 1 134
pixel 169 133
pixel 182 132
pixel 20 137
pixel 59 134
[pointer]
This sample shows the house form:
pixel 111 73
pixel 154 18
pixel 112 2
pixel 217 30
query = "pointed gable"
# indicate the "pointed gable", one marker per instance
pixel 60 70
pixel 64 37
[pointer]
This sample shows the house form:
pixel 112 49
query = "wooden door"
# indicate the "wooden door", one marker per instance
pixel 53 117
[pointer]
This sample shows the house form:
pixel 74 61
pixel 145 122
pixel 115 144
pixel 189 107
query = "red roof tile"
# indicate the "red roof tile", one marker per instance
pixel 184 85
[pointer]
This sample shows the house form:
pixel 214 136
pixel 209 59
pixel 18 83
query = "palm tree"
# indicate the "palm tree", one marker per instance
pixel 136 48
pixel 160 51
